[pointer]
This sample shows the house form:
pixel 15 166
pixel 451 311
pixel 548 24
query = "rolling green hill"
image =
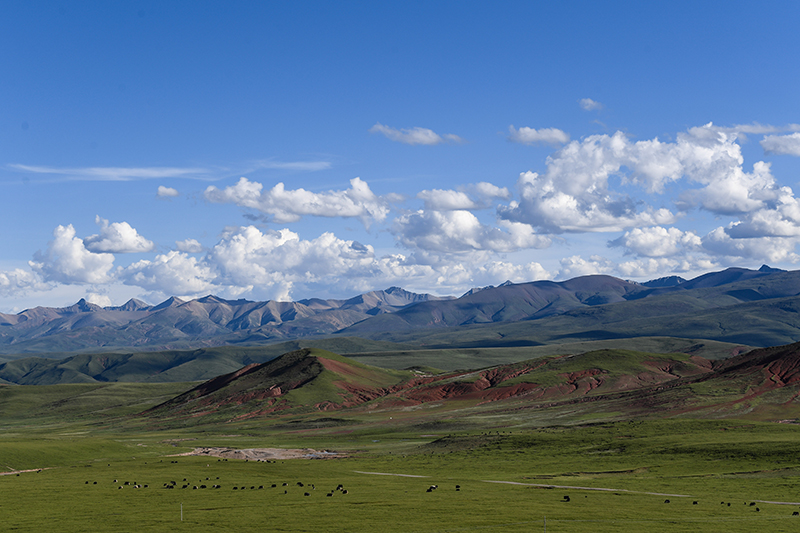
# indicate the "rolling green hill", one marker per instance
pixel 296 382
pixel 206 363
pixel 605 383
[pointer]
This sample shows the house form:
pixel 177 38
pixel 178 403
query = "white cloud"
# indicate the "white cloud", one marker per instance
pixel 190 246
pixel 290 205
pixel 658 241
pixel 654 267
pixel 478 196
pixel 173 273
pixel 167 192
pixel 574 266
pixel 587 104
pixel 781 218
pixel 114 173
pixel 279 265
pixel 117 237
pixel 247 257
pixel 302 166
pixel 490 191
pixel 491 273
pixel 103 300
pixel 782 144
pixel 67 260
pixel 574 194
pixel 770 249
pixel 415 136
pixel 593 209
pixel 734 192
pixel 460 231
pixel 445 200
pixel 13 282
pixel 525 135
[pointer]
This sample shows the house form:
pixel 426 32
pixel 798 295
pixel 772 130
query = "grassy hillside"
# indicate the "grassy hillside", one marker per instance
pixel 663 475
pixel 206 363
pixel 40 407
pixel 306 380
pixel 694 446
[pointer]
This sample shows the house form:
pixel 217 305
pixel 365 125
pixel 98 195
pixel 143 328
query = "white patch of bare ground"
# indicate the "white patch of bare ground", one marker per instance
pixel 264 454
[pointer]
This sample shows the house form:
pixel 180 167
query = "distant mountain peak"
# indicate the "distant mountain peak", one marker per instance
pixel 131 305
pixel 476 290
pixel 82 307
pixel 668 281
pixel 172 301
pixel 392 290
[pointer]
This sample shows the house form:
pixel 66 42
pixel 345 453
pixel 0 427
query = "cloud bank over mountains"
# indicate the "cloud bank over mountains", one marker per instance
pixel 635 196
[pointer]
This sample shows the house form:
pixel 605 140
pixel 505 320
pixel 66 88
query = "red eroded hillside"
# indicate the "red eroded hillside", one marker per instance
pixel 309 381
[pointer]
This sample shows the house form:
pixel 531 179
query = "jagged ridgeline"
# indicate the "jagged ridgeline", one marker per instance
pixel 742 306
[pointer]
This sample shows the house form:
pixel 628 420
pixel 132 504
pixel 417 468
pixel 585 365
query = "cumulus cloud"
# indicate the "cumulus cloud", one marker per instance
pixel 780 218
pixel 415 136
pixel 247 257
pixel 460 231
pixel 96 298
pixel 736 192
pixel 190 246
pixel 653 267
pixel 173 273
pixel 117 237
pixel 445 200
pixel 16 281
pixel 574 266
pixel 658 241
pixel 641 268
pixel 478 196
pixel 279 264
pixel 492 272
pixel 290 205
pixel 771 249
pixel 67 260
pixel 167 192
pixel 593 209
pixel 525 135
pixel 489 191
pixel 587 104
pixel 573 194
pixel 782 144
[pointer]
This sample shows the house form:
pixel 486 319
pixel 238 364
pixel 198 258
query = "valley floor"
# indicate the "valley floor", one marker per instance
pixel 662 475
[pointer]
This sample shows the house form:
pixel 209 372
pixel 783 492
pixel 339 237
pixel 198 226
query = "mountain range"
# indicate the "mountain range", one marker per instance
pixel 174 323
pixel 751 307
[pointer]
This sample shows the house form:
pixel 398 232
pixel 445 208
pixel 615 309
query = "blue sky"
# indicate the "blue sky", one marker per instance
pixel 285 151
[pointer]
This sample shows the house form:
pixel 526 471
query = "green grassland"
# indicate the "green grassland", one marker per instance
pixel 508 479
pixel 513 468
pixel 206 363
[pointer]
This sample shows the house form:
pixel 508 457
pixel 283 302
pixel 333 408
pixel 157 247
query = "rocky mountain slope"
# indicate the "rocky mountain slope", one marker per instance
pixel 174 323
pixel 752 307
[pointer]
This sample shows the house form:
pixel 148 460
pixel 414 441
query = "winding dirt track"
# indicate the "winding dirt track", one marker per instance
pixel 22 471
pixel 575 487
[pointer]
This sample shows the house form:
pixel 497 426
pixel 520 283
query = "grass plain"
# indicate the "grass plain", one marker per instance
pixel 513 469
